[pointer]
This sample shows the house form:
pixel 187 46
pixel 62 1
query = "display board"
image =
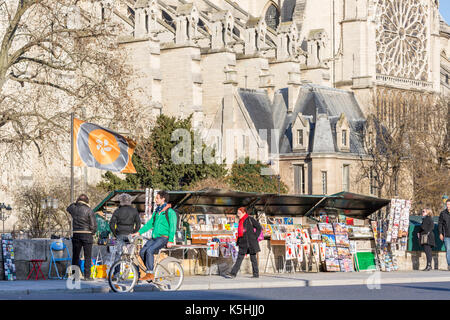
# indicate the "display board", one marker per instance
pixel 391 234
pixel 8 257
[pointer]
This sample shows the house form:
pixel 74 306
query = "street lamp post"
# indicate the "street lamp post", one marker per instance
pixel 4 215
pixel 49 203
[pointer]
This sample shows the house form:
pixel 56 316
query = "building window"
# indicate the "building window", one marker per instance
pixel 346 177
pixel 300 137
pixel 344 138
pixel 272 17
pixel 324 182
pixel 299 179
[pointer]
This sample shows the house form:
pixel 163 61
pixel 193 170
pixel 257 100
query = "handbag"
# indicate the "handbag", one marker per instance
pixel 261 235
pixel 424 238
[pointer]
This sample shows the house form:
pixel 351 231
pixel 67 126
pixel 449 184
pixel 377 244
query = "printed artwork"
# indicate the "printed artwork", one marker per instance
pixel 325 228
pixel 343 253
pixel 8 257
pixel 332 265
pixel 213 249
pixel 315 248
pixel 342 240
pixel 322 249
pixel 329 239
pixel 289 221
pixel 346 265
pixel 299 251
pixel 331 253
pixel 340 229
pixel 315 233
pixel 290 251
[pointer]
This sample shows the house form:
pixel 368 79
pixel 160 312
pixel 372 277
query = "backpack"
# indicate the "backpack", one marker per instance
pixel 179 231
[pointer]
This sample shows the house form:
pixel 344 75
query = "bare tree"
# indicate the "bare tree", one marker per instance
pixel 58 57
pixel 406 141
pixel 38 222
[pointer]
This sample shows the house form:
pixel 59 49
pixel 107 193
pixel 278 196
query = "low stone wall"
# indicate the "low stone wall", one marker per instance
pixel 26 250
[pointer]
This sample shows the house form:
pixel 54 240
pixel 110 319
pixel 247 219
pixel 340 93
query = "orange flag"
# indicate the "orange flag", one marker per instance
pixel 101 148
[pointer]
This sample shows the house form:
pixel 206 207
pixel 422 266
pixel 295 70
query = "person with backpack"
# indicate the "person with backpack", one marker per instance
pixel 249 231
pixel 164 224
pixel 124 221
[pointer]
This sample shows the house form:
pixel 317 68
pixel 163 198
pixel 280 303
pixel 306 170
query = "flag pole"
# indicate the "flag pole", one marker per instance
pixel 71 159
pixel 72 198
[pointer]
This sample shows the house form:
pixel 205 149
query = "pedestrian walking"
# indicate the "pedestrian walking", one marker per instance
pixel 426 235
pixel 84 225
pixel 247 240
pixel 444 229
pixel 124 221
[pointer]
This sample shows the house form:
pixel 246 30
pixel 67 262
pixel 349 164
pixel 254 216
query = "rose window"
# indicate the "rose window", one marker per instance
pixel 401 38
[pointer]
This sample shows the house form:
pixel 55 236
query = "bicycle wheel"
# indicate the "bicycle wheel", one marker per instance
pixel 123 276
pixel 169 275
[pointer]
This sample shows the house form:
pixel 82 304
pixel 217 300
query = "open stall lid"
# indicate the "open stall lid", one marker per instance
pixel 219 201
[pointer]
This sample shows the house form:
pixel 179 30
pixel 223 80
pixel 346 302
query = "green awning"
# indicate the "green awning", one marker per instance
pixel 219 201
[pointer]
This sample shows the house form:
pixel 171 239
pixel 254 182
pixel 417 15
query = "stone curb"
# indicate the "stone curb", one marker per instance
pixel 234 285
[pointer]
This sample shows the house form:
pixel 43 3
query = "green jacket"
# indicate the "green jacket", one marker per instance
pixel 159 224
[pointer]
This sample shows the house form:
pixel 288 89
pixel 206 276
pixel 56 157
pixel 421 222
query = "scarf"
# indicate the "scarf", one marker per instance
pixel 241 226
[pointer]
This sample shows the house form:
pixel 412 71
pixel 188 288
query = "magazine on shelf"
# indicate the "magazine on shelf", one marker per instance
pixel 329 239
pixel 315 233
pixel 340 229
pixel 342 241
pixel 343 253
pixel 325 228
pixel 332 265
pixel 331 253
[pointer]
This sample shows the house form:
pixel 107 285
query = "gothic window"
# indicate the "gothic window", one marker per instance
pixel 272 17
pixel 168 19
pixel 131 13
pixel 401 39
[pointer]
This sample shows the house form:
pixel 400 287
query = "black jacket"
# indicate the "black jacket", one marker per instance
pixel 83 218
pixel 428 227
pixel 444 223
pixel 249 242
pixel 125 220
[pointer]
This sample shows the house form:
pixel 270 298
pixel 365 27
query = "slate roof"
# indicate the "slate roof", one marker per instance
pixel 322 106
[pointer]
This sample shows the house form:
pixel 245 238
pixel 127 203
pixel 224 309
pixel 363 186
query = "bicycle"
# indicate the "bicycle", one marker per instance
pixel 124 273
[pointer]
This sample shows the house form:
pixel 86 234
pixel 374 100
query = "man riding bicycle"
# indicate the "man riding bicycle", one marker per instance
pixel 163 222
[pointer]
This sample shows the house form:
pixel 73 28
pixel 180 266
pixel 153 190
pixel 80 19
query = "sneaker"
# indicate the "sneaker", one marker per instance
pixel 255 276
pixel 230 276
pixel 147 277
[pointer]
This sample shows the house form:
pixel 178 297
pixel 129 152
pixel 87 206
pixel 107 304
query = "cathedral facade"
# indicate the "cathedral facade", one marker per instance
pixel 290 80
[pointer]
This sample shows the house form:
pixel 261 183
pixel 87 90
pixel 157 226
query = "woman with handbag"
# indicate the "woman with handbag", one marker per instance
pixel 426 236
pixel 249 231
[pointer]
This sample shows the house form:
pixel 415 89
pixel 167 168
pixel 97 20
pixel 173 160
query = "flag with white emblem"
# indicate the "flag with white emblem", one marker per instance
pixel 101 148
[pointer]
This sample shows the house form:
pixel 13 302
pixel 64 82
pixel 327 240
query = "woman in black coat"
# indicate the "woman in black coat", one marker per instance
pixel 247 241
pixel 427 228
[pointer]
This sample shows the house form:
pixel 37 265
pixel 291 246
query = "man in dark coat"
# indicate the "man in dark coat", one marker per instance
pixel 84 225
pixel 426 229
pixel 444 230
pixel 248 232
pixel 125 220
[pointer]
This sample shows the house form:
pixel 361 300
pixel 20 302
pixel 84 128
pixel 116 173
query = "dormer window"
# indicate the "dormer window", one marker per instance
pixel 344 138
pixel 300 137
pixel 300 133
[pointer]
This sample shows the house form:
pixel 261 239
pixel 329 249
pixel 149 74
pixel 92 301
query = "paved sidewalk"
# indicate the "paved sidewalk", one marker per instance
pixel 215 282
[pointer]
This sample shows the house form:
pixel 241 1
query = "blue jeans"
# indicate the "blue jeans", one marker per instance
pixel 151 247
pixel 447 248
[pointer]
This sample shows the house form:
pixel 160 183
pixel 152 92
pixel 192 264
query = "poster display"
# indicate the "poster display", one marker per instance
pixel 8 257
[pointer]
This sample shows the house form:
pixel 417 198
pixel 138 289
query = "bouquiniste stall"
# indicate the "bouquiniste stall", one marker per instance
pixel 327 231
